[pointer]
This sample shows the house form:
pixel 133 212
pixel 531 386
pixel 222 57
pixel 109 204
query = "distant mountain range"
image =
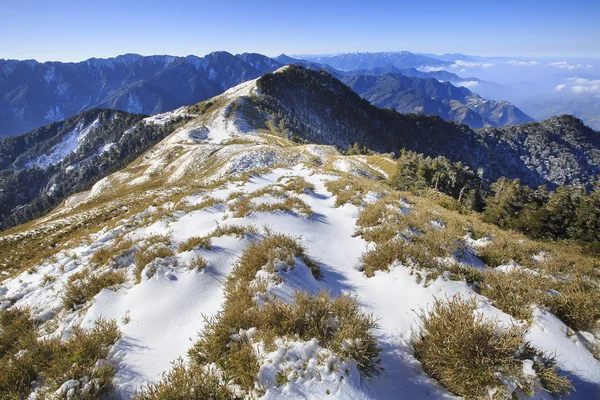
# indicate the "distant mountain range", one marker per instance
pixel 41 168
pixel 432 97
pixel 35 94
pixel 354 61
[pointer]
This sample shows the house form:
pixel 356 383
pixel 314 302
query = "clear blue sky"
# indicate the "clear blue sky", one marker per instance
pixel 74 30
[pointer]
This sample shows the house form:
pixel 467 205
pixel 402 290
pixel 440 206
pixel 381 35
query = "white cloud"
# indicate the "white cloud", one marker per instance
pixel 580 86
pixel 522 63
pixel 468 84
pixel 570 67
pixel 470 64
pixel 560 87
pixel 463 70
pixel 430 69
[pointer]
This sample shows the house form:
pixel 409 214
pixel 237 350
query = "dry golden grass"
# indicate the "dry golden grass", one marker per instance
pixel 467 354
pixel 242 206
pixel 305 317
pixel 191 382
pixel 83 286
pixel 195 242
pixel 198 263
pixel 25 358
pixel 412 240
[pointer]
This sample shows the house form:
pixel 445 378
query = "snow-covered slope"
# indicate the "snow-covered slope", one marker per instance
pixel 215 172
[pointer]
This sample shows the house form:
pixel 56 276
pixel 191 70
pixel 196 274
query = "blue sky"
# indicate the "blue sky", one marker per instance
pixel 74 30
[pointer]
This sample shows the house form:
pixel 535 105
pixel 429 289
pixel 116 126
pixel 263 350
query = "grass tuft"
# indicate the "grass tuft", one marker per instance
pixel 83 286
pixel 468 354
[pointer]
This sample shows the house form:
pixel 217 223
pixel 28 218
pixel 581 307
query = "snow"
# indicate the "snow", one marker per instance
pixel 134 105
pixel 49 74
pixel 550 334
pixel 69 144
pixel 163 327
pixel 106 147
pixel 163 118
pixel 54 114
pixel 212 74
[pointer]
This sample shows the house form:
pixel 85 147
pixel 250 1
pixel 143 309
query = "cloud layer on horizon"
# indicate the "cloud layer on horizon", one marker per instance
pixel 566 65
pixel 579 86
pixel 521 63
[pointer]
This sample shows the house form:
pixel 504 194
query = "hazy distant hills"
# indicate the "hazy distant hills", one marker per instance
pixel 430 96
pixel 35 94
pixel 354 61
pixel 585 107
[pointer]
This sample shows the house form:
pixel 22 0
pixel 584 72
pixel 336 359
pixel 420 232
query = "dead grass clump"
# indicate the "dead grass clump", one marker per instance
pixel 337 323
pixel 191 382
pixel 291 204
pixel 506 247
pixel 468 354
pixel 148 254
pixel 239 231
pixel 101 256
pixel 346 191
pixel 241 207
pixel 296 184
pixel 107 254
pixel 515 292
pixel 198 263
pixel 382 256
pixel 82 287
pixel 195 242
pixel 577 303
pixel 187 208
pixel 24 358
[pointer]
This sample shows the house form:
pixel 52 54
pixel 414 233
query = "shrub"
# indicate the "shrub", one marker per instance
pixel 83 286
pixel 467 354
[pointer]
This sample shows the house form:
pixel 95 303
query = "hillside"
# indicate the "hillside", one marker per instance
pixel 41 168
pixel 321 109
pixel 276 269
pixel 432 97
